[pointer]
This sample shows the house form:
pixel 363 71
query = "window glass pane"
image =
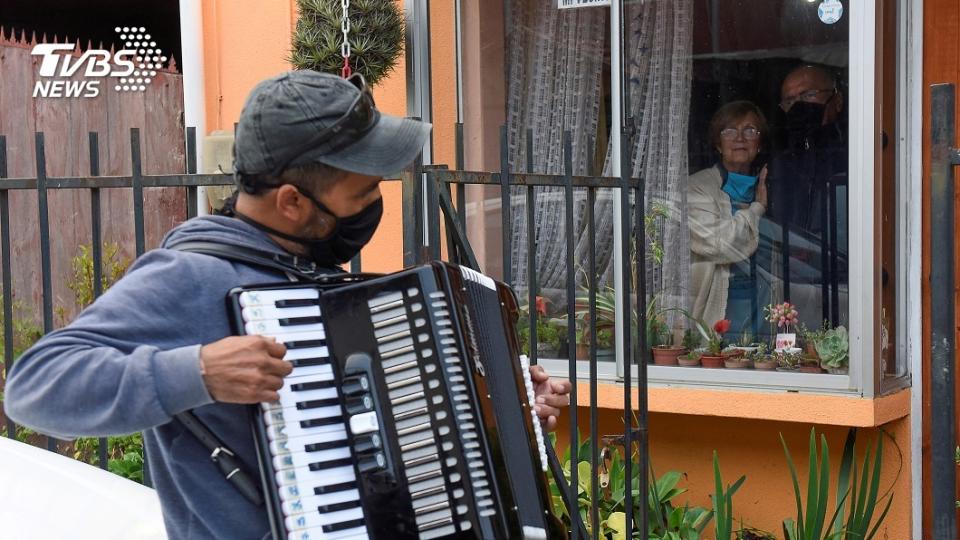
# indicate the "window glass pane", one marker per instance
pixel 556 84
pixel 739 132
pixel 766 197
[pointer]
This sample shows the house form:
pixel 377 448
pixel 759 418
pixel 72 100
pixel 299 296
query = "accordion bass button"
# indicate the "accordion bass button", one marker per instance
pixel 358 404
pixel 372 464
pixel 365 444
pixel 355 384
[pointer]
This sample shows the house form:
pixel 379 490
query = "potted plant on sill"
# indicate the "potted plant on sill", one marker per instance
pixel 549 334
pixel 784 316
pixel 660 337
pixel 762 359
pixel 714 356
pixel 788 359
pixel 810 337
pixel 691 359
pixel 833 348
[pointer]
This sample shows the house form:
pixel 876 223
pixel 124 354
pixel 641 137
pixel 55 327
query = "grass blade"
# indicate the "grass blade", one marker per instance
pixel 796 486
pixel 843 481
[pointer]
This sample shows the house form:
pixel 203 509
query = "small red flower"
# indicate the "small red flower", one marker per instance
pixel 721 326
pixel 541 306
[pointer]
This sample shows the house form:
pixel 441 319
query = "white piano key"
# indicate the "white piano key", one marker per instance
pixel 289 397
pixel 274 327
pixel 316 519
pixel 262 313
pixel 295 415
pixel 311 352
pixel 305 479
pixel 312 502
pixel 358 533
pixel 299 444
pixel 289 336
pixel 289 430
pixel 320 372
pixel 270 296
pixel 304 459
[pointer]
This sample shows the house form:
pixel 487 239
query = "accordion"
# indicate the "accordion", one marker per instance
pixel 408 413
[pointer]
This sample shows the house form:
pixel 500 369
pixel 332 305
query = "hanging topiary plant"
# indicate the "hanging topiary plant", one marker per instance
pixel 376 37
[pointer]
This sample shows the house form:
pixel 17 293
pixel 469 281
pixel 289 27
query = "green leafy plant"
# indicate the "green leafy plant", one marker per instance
pixel 376 37
pixel 759 353
pixel 124 454
pixel 862 497
pixel 113 264
pixel 723 501
pixel 691 339
pixel 833 348
pixel 667 519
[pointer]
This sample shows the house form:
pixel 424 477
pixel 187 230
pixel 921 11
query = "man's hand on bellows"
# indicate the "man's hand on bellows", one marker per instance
pixel 244 369
pixel 552 395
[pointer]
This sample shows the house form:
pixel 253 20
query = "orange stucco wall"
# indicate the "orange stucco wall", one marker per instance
pixel 685 443
pixel 248 40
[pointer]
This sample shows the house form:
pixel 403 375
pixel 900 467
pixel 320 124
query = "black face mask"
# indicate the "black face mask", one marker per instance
pixel 804 118
pixel 349 233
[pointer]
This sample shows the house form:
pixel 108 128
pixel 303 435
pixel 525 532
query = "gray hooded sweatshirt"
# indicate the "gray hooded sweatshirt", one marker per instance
pixel 131 361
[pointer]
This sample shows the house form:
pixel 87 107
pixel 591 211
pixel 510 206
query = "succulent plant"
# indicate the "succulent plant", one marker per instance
pixel 376 37
pixel 833 348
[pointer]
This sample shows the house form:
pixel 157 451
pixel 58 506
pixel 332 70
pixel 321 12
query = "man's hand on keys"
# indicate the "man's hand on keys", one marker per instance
pixel 244 369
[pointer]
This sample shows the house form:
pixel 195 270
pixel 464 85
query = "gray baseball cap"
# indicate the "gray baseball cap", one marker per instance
pixel 302 117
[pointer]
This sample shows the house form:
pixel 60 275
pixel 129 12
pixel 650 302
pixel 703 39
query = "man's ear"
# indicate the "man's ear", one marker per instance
pixel 291 205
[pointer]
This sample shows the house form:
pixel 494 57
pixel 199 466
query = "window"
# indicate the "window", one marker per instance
pixel 752 125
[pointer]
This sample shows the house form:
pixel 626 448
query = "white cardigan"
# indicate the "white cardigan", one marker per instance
pixel 718 237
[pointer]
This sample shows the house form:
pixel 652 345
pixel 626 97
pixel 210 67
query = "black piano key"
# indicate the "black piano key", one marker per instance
pixel 304 362
pixel 305 344
pixel 332 464
pixel 333 488
pixel 342 526
pixel 317 403
pixel 329 445
pixel 316 385
pixel 317 422
pixel 297 302
pixel 295 321
pixel 347 505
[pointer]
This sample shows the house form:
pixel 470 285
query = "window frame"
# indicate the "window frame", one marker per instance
pixel 864 378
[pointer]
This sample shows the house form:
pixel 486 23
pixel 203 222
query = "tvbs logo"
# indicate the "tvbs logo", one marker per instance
pixel 133 67
pixel 57 62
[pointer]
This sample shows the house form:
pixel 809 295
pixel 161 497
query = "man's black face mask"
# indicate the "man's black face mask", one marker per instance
pixel 805 117
pixel 348 236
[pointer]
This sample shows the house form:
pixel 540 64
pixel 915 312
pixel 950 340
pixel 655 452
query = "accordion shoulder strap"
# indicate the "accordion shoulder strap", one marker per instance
pixel 289 264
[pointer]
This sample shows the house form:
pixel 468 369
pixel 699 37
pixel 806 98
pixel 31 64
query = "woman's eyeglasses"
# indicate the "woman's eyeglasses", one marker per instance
pixel 749 133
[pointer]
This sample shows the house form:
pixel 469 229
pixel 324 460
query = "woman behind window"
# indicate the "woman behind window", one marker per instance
pixel 725 203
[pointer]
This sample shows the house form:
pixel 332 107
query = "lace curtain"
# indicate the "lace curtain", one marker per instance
pixel 556 65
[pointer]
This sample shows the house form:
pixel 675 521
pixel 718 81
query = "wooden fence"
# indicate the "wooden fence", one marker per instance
pixel 66 123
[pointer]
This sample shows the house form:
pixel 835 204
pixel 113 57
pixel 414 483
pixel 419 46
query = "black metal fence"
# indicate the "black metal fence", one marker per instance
pixel 427 198
pixel 943 356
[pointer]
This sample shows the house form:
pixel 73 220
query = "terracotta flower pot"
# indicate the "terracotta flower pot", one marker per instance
pixel 809 367
pixel 712 362
pixel 768 364
pixel 810 350
pixel 687 362
pixel 667 356
pixel 738 363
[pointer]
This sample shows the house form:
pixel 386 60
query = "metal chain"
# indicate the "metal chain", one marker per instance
pixel 345 45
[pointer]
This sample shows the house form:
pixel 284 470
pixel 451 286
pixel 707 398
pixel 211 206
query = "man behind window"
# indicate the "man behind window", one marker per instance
pixel 804 174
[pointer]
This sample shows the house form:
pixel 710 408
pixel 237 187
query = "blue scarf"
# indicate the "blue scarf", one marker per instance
pixel 740 187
